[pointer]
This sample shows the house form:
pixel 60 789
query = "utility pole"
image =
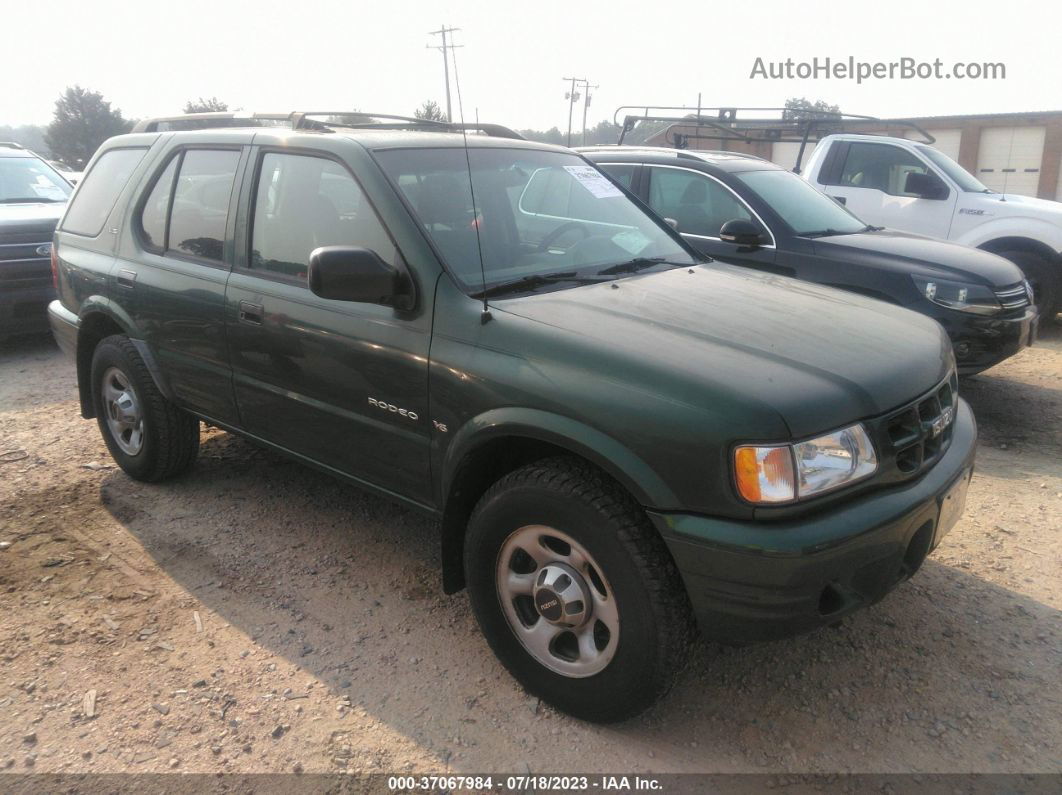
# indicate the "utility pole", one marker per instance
pixel 586 104
pixel 445 50
pixel 572 96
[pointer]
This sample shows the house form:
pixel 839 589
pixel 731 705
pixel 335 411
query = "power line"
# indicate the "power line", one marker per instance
pixel 445 48
pixel 572 96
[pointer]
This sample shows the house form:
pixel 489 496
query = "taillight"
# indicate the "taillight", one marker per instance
pixel 55 268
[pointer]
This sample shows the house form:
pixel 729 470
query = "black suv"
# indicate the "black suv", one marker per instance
pixel 32 197
pixel 748 211
pixel 615 436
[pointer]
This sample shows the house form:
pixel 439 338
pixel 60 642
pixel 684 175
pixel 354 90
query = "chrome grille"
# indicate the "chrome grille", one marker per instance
pixel 21 265
pixel 1014 297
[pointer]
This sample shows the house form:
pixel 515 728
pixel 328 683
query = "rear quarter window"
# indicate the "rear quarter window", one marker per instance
pixel 99 190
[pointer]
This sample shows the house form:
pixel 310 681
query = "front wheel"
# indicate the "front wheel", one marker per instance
pixel 1044 276
pixel 575 591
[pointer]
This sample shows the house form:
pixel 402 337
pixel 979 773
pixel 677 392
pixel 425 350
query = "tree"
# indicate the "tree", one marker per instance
pixel 83 121
pixel 801 108
pixel 430 111
pixel 212 105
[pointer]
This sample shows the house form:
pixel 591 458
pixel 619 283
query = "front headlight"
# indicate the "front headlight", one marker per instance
pixel 782 473
pixel 974 298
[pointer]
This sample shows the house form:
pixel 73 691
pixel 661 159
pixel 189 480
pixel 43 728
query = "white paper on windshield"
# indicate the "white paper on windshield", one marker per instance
pixel 632 241
pixel 594 181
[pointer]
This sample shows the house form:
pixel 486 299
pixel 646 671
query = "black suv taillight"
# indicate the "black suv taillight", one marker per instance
pixel 55 268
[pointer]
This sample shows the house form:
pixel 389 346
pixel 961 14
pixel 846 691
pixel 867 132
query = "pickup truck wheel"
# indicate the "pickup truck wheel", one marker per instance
pixel 1045 278
pixel 148 437
pixel 575 591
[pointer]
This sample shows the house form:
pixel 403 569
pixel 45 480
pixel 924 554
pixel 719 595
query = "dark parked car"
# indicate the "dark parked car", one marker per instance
pixel 751 212
pixel 32 197
pixel 614 437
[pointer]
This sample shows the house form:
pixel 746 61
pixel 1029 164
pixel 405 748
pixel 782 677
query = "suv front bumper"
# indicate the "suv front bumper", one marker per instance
pixel 982 342
pixel 22 309
pixel 752 581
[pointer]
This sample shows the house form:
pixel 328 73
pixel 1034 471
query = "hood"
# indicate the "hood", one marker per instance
pixel 30 217
pixel 1003 205
pixel 927 256
pixel 820 358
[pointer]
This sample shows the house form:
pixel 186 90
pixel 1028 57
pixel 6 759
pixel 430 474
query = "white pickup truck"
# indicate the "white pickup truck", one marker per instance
pixel 908 185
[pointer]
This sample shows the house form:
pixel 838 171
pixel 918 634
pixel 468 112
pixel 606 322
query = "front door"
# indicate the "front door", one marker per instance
pixel 344 384
pixel 872 183
pixel 700 205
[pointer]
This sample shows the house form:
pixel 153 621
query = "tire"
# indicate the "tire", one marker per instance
pixel 639 622
pixel 1044 276
pixel 148 437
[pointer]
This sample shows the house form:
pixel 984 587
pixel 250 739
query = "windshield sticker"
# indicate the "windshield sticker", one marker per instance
pixel 632 241
pixel 594 181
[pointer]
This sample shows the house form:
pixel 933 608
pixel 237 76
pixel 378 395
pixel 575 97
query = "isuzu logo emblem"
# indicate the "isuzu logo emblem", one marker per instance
pixel 942 422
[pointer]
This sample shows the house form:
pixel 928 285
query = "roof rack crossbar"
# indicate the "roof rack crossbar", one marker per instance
pixel 312 120
pixel 725 125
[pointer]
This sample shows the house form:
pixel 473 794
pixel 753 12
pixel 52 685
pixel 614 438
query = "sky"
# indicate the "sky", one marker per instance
pixel 148 58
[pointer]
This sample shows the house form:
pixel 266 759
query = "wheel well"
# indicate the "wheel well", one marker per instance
pixel 480 469
pixel 1020 244
pixel 93 328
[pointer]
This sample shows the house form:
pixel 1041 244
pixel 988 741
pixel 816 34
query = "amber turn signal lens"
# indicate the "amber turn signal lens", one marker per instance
pixel 765 474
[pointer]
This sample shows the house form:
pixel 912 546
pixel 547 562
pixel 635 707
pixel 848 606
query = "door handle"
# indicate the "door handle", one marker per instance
pixel 840 199
pixel 250 313
pixel 126 279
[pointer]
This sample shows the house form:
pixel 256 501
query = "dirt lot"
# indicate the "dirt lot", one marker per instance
pixel 255 616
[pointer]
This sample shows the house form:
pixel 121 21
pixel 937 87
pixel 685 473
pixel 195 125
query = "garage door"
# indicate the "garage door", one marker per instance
pixel 785 154
pixel 947 140
pixel 1009 159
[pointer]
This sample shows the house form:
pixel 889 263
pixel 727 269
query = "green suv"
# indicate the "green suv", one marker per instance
pixel 621 440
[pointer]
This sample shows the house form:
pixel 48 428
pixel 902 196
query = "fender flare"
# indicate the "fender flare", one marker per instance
pixel 602 450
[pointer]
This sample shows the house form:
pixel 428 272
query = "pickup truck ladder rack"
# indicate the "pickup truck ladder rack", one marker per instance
pixel 788 125
pixel 321 121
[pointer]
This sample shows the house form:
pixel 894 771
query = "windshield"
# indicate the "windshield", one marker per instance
pixel 27 179
pixel 537 213
pixel 963 178
pixel 800 206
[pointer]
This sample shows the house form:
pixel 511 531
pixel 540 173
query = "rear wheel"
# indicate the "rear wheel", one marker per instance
pixel 1044 276
pixel 148 437
pixel 575 591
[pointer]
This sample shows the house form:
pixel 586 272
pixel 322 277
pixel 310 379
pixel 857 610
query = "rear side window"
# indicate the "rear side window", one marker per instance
pixel 155 213
pixel 200 208
pixel 99 190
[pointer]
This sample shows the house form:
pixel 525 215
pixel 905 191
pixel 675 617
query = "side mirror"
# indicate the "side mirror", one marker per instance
pixel 741 232
pixel 350 273
pixel 925 186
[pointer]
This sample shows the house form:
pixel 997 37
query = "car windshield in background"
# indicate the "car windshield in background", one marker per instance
pixel 800 206
pixel 537 213
pixel 27 179
pixel 963 178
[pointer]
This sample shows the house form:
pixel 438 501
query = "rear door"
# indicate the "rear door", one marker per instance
pixel 701 204
pixel 870 180
pixel 173 267
pixel 344 384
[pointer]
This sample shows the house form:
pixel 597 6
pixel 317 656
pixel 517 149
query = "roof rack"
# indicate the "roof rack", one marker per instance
pixel 787 125
pixel 321 121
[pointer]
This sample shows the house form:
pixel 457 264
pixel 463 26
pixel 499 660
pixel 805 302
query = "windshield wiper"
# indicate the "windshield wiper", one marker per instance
pixel 532 282
pixel 634 265
pixel 30 200
pixel 823 233
pixel 872 228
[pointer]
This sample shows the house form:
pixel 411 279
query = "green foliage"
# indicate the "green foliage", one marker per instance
pixel 201 105
pixel 30 136
pixel 802 108
pixel 83 120
pixel 430 111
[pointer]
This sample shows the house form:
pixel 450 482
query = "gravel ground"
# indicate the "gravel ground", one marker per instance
pixel 255 616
